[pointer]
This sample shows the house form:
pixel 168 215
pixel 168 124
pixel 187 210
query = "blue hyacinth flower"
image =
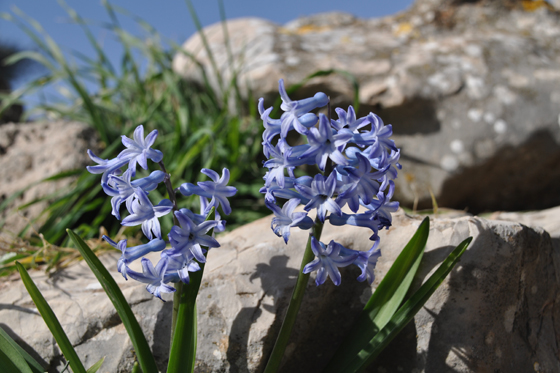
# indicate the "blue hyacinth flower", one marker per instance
pixel 153 277
pixel 143 212
pixel 191 236
pixel 327 261
pixel 138 150
pixel 217 189
pixel 286 218
pixel 319 195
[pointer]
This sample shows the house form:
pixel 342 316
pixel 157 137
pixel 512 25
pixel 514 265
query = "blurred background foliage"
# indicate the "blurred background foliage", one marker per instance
pixel 198 126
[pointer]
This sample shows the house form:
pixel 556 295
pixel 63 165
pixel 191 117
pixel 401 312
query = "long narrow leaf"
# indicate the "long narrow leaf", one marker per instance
pixel 11 359
pixel 385 300
pixel 406 313
pixel 143 352
pixel 51 321
pixel 31 362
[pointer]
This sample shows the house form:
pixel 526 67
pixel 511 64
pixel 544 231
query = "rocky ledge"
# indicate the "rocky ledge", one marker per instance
pixel 497 311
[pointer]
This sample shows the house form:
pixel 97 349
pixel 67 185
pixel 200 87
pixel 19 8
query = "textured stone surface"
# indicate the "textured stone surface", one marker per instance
pixel 470 87
pixel 497 311
pixel 548 219
pixel 31 152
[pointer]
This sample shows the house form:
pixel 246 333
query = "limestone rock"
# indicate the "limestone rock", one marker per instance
pixel 31 152
pixel 497 311
pixel 470 87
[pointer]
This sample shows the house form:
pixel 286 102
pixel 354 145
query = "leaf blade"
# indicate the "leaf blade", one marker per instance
pixel 385 301
pixel 143 352
pixel 406 313
pixel 31 362
pixel 51 320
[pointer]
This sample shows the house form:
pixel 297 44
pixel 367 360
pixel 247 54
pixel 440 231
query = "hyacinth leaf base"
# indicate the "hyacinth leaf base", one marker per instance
pixel 143 352
pixel 6 345
pixel 386 299
pixel 406 313
pixel 11 357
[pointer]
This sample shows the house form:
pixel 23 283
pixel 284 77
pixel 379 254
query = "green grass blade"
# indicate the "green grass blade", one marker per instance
pixel 406 313
pixel 95 367
pixel 385 300
pixel 51 321
pixel 143 352
pixel 11 361
pixel 13 358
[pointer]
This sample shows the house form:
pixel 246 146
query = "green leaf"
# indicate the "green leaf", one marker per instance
pixel 31 362
pixel 143 352
pixel 10 358
pixel 406 313
pixel 51 321
pixel 385 300
pixel 95 367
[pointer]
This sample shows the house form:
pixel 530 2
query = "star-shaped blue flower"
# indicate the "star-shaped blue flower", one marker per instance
pixel 138 150
pixel 366 261
pixel 293 110
pixel 327 261
pixel 325 143
pixel 130 254
pixel 319 195
pixel 121 188
pixel 216 189
pixel 143 212
pixel 191 236
pixel 286 218
pixel 153 277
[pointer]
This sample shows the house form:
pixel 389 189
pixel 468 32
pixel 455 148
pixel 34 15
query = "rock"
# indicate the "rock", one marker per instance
pixel 470 87
pixel 497 311
pixel 549 219
pixel 31 152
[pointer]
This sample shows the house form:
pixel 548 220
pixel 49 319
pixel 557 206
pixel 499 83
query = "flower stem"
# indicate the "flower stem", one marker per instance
pixel 295 302
pixel 170 190
pixel 178 285
pixel 182 354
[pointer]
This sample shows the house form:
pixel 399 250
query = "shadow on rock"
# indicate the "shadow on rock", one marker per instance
pixel 326 315
pixel 271 275
pixel 401 355
pixel 511 180
pixel 162 333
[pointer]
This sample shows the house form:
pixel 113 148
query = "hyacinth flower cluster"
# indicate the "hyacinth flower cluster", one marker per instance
pixel 357 162
pixel 189 239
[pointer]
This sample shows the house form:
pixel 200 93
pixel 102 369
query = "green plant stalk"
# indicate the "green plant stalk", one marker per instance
pixel 178 286
pixel 295 302
pixel 182 356
pixel 184 320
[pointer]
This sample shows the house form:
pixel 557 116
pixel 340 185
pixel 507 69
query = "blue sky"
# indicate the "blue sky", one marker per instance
pixel 170 17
